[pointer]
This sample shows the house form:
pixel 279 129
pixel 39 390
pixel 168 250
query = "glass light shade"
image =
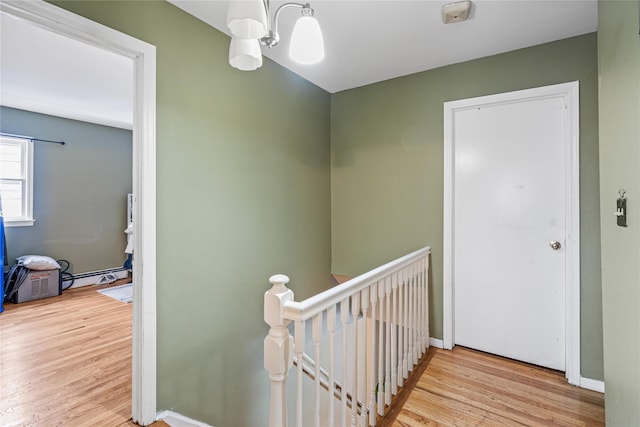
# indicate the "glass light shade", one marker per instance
pixel 245 54
pixel 307 46
pixel 247 19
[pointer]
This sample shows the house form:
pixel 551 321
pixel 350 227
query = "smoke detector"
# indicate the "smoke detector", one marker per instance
pixel 456 12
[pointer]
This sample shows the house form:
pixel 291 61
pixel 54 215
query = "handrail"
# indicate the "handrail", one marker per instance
pixel 304 310
pixel 372 329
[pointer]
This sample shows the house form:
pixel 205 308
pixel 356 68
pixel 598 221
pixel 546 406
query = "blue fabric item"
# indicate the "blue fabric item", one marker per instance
pixel 2 251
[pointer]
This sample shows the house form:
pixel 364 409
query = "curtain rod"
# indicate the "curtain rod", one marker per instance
pixel 32 138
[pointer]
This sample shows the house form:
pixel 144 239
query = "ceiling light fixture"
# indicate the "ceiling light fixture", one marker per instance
pixel 249 24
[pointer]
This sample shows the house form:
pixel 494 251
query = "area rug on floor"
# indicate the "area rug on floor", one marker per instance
pixel 122 293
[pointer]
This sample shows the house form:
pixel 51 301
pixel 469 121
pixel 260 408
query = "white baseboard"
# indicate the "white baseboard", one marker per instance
pixel 589 384
pixel 92 277
pixel 177 420
pixel 435 342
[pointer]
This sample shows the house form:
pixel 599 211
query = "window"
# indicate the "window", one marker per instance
pixel 16 180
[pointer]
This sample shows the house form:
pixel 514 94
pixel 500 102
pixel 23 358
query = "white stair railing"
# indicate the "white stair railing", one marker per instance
pixel 377 328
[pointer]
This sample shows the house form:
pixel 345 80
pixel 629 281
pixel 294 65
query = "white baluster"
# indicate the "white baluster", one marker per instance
pixel 355 311
pixel 410 344
pixel 373 293
pixel 387 352
pixel 331 328
pixel 299 343
pixel 401 327
pixel 405 339
pixel 362 357
pixel 381 338
pixel 414 314
pixel 277 348
pixel 412 319
pixel 401 331
pixel 425 307
pixel 426 298
pixel 315 329
pixel 407 278
pixel 344 318
pixel 420 309
pixel 418 318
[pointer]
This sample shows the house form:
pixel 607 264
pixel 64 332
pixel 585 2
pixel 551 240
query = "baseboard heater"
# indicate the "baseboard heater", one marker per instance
pixel 96 277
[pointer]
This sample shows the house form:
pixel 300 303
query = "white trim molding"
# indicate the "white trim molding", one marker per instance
pixel 175 419
pixel 570 92
pixel 594 385
pixel 435 342
pixel 143 55
pixel 19 223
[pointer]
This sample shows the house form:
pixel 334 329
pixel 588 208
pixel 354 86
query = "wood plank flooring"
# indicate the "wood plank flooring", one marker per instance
pixel 464 387
pixel 155 424
pixel 66 361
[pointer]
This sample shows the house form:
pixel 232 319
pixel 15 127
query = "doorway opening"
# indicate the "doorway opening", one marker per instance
pixel 567 105
pixel 55 19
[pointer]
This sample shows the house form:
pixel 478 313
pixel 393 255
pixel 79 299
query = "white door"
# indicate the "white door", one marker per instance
pixel 509 228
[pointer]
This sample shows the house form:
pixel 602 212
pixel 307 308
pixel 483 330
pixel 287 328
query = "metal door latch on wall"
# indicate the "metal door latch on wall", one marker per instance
pixel 621 208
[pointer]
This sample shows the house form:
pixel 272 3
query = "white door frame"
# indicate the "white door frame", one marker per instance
pixel 55 19
pixel 570 92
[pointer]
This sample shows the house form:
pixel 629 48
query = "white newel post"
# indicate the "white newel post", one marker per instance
pixel 278 356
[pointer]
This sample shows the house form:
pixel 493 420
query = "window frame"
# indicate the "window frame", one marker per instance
pixel 27 218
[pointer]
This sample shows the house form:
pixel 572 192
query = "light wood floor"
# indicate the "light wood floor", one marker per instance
pixel 468 388
pixel 66 361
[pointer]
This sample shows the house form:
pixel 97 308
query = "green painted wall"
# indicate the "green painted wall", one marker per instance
pixel 387 165
pixel 243 192
pixel 619 92
pixel 80 191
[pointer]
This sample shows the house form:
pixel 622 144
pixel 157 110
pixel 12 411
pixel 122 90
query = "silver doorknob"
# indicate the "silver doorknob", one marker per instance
pixel 555 245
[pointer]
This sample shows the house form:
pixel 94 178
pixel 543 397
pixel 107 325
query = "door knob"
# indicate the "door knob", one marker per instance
pixel 555 245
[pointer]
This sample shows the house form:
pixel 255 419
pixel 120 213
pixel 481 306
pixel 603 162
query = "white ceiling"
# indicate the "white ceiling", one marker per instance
pixel 48 73
pixel 366 41
pixel 369 41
